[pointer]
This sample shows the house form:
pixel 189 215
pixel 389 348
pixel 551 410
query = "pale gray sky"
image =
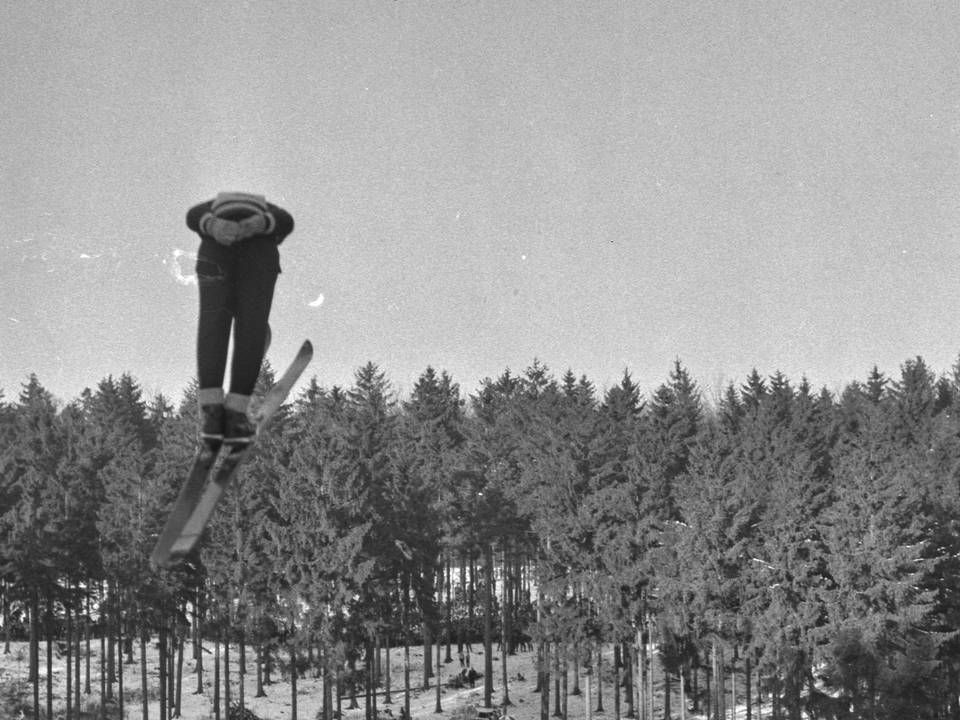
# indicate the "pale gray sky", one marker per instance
pixel 600 185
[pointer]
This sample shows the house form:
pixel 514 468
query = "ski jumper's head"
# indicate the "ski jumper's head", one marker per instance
pixel 238 205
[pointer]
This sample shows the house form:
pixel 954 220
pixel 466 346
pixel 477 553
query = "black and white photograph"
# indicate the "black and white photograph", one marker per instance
pixel 480 360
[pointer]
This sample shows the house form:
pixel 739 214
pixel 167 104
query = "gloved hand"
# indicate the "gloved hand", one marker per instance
pixel 251 226
pixel 225 232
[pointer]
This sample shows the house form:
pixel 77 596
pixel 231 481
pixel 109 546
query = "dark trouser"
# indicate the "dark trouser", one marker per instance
pixel 236 289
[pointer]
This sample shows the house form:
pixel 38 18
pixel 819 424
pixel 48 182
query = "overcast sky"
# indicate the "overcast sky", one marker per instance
pixel 599 185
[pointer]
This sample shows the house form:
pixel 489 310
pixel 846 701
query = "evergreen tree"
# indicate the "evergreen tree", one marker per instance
pixel 431 435
pixel 32 546
pixel 28 525
pixel 618 511
pixel 316 529
pixel 884 534
pixel 676 414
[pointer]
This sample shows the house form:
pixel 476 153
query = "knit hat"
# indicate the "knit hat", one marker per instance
pixel 238 205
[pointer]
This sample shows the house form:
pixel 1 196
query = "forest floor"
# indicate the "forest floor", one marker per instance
pixel 16 694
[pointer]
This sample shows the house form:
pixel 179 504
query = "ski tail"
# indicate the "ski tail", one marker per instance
pixel 196 521
pixel 189 496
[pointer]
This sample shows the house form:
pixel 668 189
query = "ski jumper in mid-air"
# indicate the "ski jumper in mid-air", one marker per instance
pixel 237 267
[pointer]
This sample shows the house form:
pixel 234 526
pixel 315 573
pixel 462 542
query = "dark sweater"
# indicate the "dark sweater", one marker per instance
pixel 261 249
pixel 279 221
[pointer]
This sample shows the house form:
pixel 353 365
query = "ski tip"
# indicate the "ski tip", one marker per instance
pixel 307 347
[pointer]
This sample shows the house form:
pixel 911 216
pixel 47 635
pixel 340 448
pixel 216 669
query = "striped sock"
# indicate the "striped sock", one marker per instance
pixel 237 403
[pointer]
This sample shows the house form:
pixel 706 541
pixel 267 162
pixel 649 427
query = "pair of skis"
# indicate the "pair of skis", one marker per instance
pixel 213 471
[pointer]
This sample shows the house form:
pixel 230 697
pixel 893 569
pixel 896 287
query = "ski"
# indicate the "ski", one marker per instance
pixel 212 472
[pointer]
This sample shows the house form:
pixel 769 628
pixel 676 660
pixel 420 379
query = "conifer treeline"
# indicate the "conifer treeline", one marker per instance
pixel 804 541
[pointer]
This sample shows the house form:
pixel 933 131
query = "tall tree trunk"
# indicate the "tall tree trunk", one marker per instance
pixel 505 632
pixel 557 711
pixel 599 677
pixel 49 633
pixel 170 654
pixel 68 622
pixel 104 624
pixel 371 693
pixel 650 664
pixel 405 622
pixel 576 671
pixel 76 658
pixel 587 700
pixel 171 666
pixel 226 671
pixel 695 683
pixel 616 680
pixel 327 687
pixel 540 660
pixel 545 680
pixel 733 682
pixel 505 605
pixel 242 672
pixel 667 691
pixel 260 691
pixel 267 665
pixel 683 695
pixel 216 675
pixel 33 668
pixel 427 654
pixel 293 682
pixel 387 698
pixel 34 672
pixel 352 666
pixel 377 658
pixel 118 624
pixel 722 684
pixel 439 708
pixel 775 689
pixel 471 601
pixel 760 695
pixel 708 696
pixel 641 666
pixel 107 628
pixel 462 621
pixel 181 643
pixel 162 666
pixel 448 581
pixel 487 625
pixel 86 632
pixel 339 696
pixel 198 639
pixel 144 695
pixel 717 693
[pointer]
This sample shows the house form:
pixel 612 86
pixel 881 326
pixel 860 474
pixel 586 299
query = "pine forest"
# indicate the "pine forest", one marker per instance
pixel 790 551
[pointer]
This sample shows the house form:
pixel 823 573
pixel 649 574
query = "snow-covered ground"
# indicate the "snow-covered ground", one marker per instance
pixel 277 703
pixel 455 703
